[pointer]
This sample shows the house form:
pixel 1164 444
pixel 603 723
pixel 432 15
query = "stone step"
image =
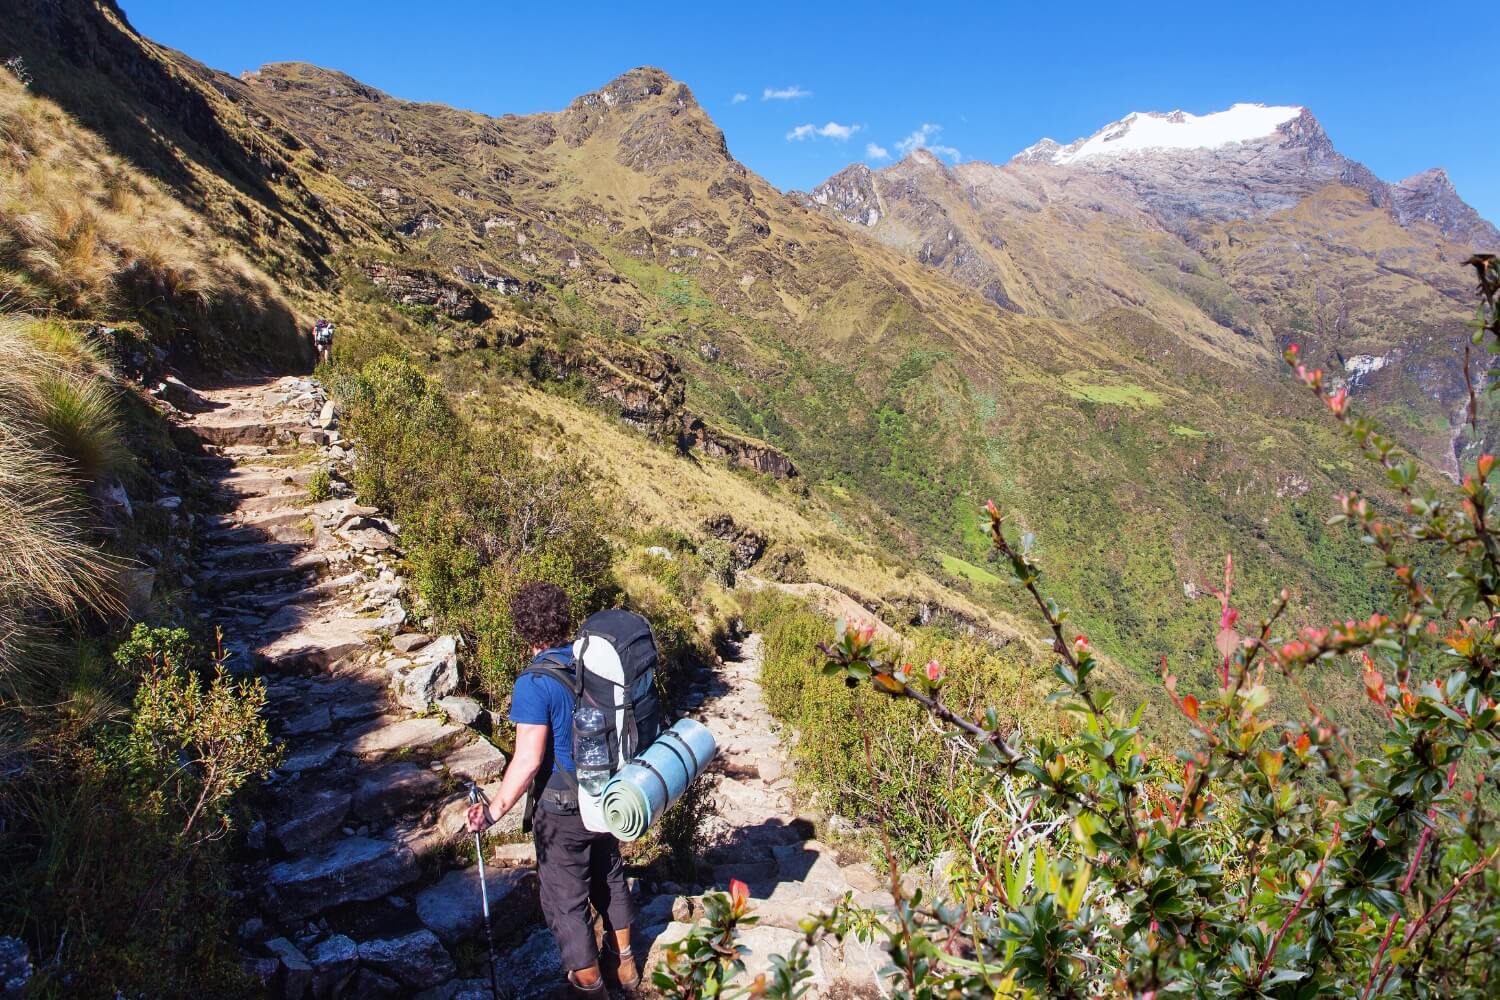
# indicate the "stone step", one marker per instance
pixel 264 520
pixel 275 601
pixel 347 870
pixel 319 643
pixel 305 566
pixel 253 554
pixel 245 505
pixel 238 427
pixel 451 909
pixel 389 734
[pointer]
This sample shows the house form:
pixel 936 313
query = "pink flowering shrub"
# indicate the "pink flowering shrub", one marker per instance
pixel 1271 858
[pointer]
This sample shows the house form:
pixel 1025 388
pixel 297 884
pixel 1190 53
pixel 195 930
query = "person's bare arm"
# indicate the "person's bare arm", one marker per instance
pixel 531 748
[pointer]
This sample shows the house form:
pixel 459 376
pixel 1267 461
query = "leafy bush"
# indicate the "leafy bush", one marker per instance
pixel 1270 859
pixel 113 850
pixel 480 514
pixel 320 485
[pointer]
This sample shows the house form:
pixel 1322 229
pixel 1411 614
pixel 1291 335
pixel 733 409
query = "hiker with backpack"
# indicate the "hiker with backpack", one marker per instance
pixel 322 339
pixel 581 710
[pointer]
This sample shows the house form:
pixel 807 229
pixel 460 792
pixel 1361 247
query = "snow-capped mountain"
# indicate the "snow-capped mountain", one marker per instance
pixel 1234 232
pixel 1153 131
pixel 1244 162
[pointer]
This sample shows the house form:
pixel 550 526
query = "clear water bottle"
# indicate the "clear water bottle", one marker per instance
pixel 591 749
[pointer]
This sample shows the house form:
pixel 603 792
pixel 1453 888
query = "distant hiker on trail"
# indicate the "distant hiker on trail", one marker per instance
pixel 576 866
pixel 322 336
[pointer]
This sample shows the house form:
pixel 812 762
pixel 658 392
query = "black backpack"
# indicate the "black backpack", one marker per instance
pixel 613 669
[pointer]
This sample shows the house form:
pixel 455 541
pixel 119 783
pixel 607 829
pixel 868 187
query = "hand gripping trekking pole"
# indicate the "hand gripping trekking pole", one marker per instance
pixel 477 795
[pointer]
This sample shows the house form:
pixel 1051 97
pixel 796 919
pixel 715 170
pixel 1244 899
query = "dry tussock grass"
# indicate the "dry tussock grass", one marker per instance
pixel 50 566
pixel 83 233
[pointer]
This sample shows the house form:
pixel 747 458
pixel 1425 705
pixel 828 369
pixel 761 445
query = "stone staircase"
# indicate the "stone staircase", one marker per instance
pixel 363 873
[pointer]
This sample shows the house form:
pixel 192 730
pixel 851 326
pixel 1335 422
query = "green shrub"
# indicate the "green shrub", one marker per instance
pixel 113 851
pixel 719 559
pixel 320 485
pixel 479 513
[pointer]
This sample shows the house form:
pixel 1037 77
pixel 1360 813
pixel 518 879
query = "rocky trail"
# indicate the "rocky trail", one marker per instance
pixel 362 872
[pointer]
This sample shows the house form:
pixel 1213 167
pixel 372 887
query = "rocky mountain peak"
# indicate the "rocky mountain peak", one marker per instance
pixel 850 195
pixel 1430 196
pixel 635 87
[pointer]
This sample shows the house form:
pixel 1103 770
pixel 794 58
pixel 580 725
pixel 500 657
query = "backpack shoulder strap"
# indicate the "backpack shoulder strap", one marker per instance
pixel 569 675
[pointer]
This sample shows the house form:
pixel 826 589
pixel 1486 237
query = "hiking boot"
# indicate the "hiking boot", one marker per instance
pixel 620 965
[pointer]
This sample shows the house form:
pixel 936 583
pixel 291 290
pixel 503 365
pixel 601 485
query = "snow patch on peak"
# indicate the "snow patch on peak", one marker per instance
pixel 1152 130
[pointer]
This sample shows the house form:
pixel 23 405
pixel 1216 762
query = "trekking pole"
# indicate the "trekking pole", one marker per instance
pixel 476 795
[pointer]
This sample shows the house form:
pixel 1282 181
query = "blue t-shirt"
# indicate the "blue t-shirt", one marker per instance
pixel 539 700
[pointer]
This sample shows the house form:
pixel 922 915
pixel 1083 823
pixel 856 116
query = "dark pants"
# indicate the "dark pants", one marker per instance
pixel 577 867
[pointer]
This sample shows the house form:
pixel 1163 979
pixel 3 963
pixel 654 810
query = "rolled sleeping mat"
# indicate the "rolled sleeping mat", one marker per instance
pixel 644 789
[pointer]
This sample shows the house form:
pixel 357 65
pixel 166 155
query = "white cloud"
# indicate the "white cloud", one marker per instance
pixel 875 152
pixel 739 99
pixel 832 130
pixel 922 138
pixel 784 93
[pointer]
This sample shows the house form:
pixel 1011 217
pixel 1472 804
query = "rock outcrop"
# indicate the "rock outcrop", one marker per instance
pixel 414 286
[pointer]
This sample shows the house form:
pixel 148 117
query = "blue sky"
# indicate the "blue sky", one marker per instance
pixel 1395 85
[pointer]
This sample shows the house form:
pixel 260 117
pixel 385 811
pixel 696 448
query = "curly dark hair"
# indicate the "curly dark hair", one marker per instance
pixel 541 613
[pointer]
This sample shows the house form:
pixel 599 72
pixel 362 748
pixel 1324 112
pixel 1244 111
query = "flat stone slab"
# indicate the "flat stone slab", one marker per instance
pixel 355 868
pixel 479 761
pixel 316 719
pixel 410 641
pixel 393 789
pixel 313 818
pixel 388 734
pixel 310 756
pixel 451 910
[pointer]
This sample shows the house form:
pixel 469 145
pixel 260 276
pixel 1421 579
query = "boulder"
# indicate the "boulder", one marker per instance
pixel 461 709
pixel 328 416
pixel 531 969
pixel 450 908
pixel 417 959
pixel 333 962
pixel 313 818
pixel 394 788
pixel 453 823
pixel 135 586
pixel 352 869
pixel 295 972
pixel 426 683
pixel 181 395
